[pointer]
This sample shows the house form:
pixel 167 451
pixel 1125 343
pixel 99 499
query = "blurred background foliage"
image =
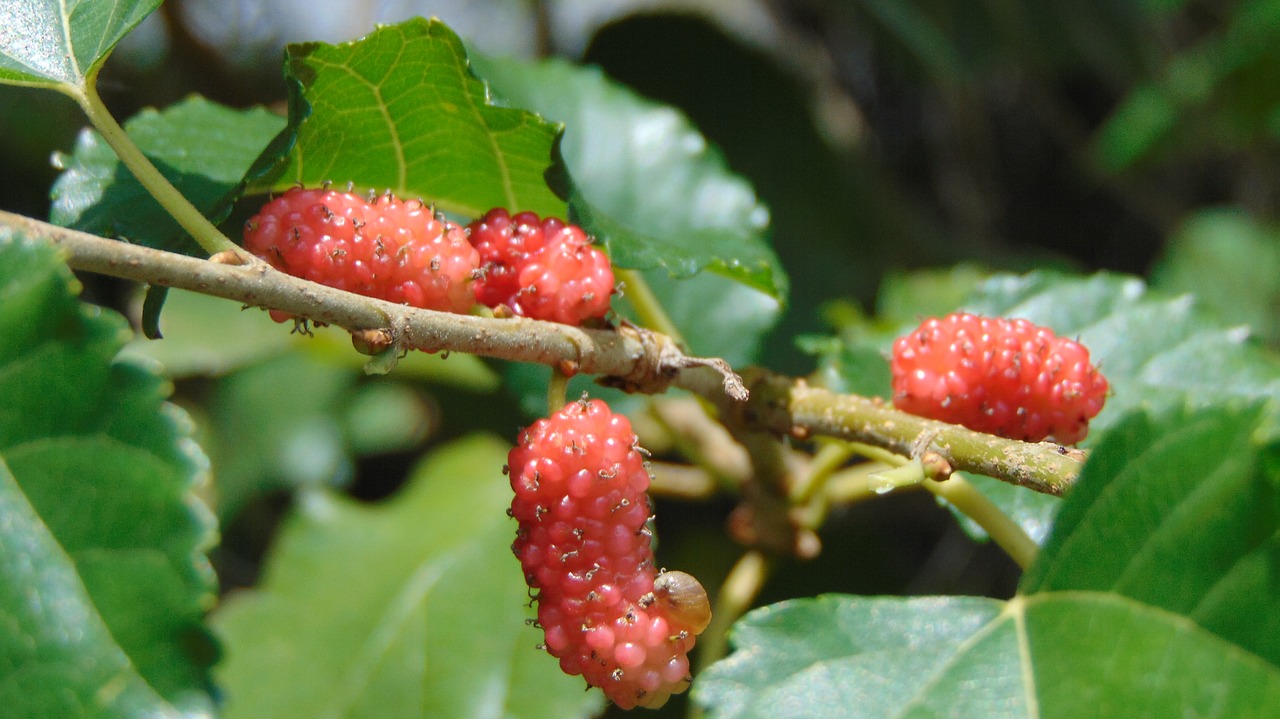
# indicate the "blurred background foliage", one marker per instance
pixel 1135 135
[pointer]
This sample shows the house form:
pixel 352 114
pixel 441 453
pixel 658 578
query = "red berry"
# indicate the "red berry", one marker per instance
pixel 580 499
pixel 1005 377
pixel 540 268
pixel 390 249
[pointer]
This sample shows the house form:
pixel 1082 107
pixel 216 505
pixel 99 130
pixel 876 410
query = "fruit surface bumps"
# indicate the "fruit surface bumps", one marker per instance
pixel 580 500
pixel 540 268
pixel 388 248
pixel 1006 377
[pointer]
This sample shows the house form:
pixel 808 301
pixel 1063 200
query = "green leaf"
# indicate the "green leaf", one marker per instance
pixel 1154 596
pixel 645 182
pixel 109 469
pixel 1180 512
pixel 203 148
pixel 1050 656
pixel 410 608
pixel 399 109
pixel 61 43
pixel 57 657
pixel 1231 263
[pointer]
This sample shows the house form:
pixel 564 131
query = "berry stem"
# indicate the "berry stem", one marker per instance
pixel 829 457
pixel 557 388
pixel 741 587
pixel 852 485
pixel 975 505
pixel 648 307
pixel 191 219
pixel 701 439
pixel 972 503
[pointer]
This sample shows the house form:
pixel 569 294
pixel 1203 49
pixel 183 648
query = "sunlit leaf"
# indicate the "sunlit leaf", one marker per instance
pixel 1153 350
pixel 61 43
pixel 400 110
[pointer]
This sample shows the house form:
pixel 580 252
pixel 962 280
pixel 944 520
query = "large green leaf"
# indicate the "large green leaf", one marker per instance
pixel 399 109
pixel 1153 597
pixel 1181 513
pixel 204 149
pixel 644 181
pixel 1061 655
pixel 61 43
pixel 413 608
pixel 109 469
pixel 57 657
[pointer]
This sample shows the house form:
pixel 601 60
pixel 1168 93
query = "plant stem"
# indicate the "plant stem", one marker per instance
pixel 792 406
pixel 636 359
pixel 191 219
pixel 739 591
pixel 975 505
pixel 853 485
pixel 648 307
pixel 970 502
pixel 556 389
pixel 825 462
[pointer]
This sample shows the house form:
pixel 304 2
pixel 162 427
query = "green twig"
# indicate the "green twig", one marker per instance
pixel 965 497
pixel 648 307
pixel 191 219
pixel 829 457
pixel 975 505
pixel 791 406
pixel 556 390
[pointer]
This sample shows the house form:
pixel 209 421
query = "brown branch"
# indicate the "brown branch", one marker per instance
pixel 633 358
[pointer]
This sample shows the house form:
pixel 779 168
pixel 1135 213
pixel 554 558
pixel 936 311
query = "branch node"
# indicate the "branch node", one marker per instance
pixel 733 384
pixel 229 257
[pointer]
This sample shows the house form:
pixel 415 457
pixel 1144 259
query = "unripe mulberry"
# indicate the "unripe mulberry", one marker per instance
pixel 580 499
pixel 540 268
pixel 387 248
pixel 1006 377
